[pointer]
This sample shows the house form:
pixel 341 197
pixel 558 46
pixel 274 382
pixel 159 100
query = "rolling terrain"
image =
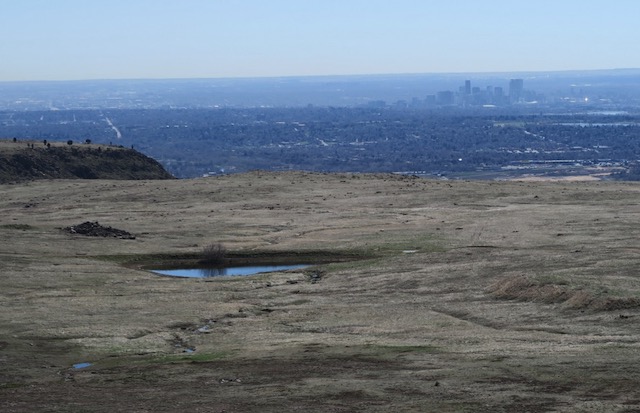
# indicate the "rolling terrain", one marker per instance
pixel 457 296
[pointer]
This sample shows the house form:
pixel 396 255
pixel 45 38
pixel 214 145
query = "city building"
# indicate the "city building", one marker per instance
pixel 516 90
pixel 445 97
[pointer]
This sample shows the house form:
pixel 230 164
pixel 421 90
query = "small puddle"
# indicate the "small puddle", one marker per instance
pixel 228 271
pixel 81 365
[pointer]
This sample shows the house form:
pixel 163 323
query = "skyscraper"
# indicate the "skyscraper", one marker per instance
pixel 445 97
pixel 516 88
pixel 498 95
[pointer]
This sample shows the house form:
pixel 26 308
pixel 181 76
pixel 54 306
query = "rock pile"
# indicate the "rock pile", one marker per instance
pixel 94 229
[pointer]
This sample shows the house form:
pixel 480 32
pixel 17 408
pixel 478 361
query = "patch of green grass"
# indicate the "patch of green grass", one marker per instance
pixel 147 259
pixel 155 359
pixel 401 349
pixel 192 260
pixel 119 350
pixel 349 265
pixel 189 358
pixel 22 227
pixel 11 385
pixel 551 280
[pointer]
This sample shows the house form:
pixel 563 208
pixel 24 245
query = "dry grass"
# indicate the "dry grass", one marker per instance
pixel 510 296
pixel 523 288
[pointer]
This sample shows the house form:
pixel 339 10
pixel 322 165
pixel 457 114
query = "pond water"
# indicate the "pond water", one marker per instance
pixel 228 271
pixel 81 365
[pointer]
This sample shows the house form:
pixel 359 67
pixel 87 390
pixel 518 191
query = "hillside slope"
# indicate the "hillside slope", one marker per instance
pixel 29 160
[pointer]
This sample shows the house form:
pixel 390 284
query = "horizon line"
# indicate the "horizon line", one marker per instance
pixel 267 77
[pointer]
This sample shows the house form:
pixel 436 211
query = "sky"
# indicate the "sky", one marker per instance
pixel 137 39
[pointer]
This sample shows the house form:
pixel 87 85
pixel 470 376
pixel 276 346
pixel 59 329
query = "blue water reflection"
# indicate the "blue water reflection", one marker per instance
pixel 228 271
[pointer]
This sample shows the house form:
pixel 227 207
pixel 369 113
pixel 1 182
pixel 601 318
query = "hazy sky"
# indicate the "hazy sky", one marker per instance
pixel 109 39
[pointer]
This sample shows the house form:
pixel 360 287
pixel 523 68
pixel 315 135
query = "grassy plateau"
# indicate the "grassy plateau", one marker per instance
pixel 425 296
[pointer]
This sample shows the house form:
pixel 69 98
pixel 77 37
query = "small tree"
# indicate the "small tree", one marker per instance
pixel 87 141
pixel 69 142
pixel 213 254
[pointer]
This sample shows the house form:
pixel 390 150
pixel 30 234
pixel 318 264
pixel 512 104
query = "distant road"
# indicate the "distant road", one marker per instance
pixel 112 126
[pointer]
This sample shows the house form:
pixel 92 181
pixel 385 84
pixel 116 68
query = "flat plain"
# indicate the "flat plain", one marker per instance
pixel 445 296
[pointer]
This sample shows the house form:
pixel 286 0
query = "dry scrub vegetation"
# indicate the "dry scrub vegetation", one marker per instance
pixel 468 296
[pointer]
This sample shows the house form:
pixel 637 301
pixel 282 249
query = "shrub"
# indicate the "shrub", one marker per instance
pixel 213 254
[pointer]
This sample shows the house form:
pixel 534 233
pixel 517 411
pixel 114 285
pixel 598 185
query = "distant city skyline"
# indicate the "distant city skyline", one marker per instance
pixel 160 39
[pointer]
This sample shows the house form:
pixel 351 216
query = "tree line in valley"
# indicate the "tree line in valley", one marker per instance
pixel 193 142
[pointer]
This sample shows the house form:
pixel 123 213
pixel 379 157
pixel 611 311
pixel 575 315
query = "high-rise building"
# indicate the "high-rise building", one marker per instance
pixel 516 89
pixel 498 95
pixel 446 97
pixel 467 87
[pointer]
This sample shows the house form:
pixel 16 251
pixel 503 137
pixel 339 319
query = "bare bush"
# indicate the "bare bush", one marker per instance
pixel 213 254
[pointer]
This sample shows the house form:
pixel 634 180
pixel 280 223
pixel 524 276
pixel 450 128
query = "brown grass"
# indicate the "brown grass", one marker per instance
pixel 525 289
pixel 436 300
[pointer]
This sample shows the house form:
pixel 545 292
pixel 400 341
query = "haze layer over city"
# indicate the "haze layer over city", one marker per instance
pixel 424 87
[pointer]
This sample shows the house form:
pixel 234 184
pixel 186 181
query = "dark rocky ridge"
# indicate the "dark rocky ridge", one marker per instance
pixel 29 160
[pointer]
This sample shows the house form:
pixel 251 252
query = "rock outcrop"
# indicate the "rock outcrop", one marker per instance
pixel 27 160
pixel 94 229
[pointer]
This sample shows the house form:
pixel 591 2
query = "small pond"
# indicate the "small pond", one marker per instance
pixel 228 271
